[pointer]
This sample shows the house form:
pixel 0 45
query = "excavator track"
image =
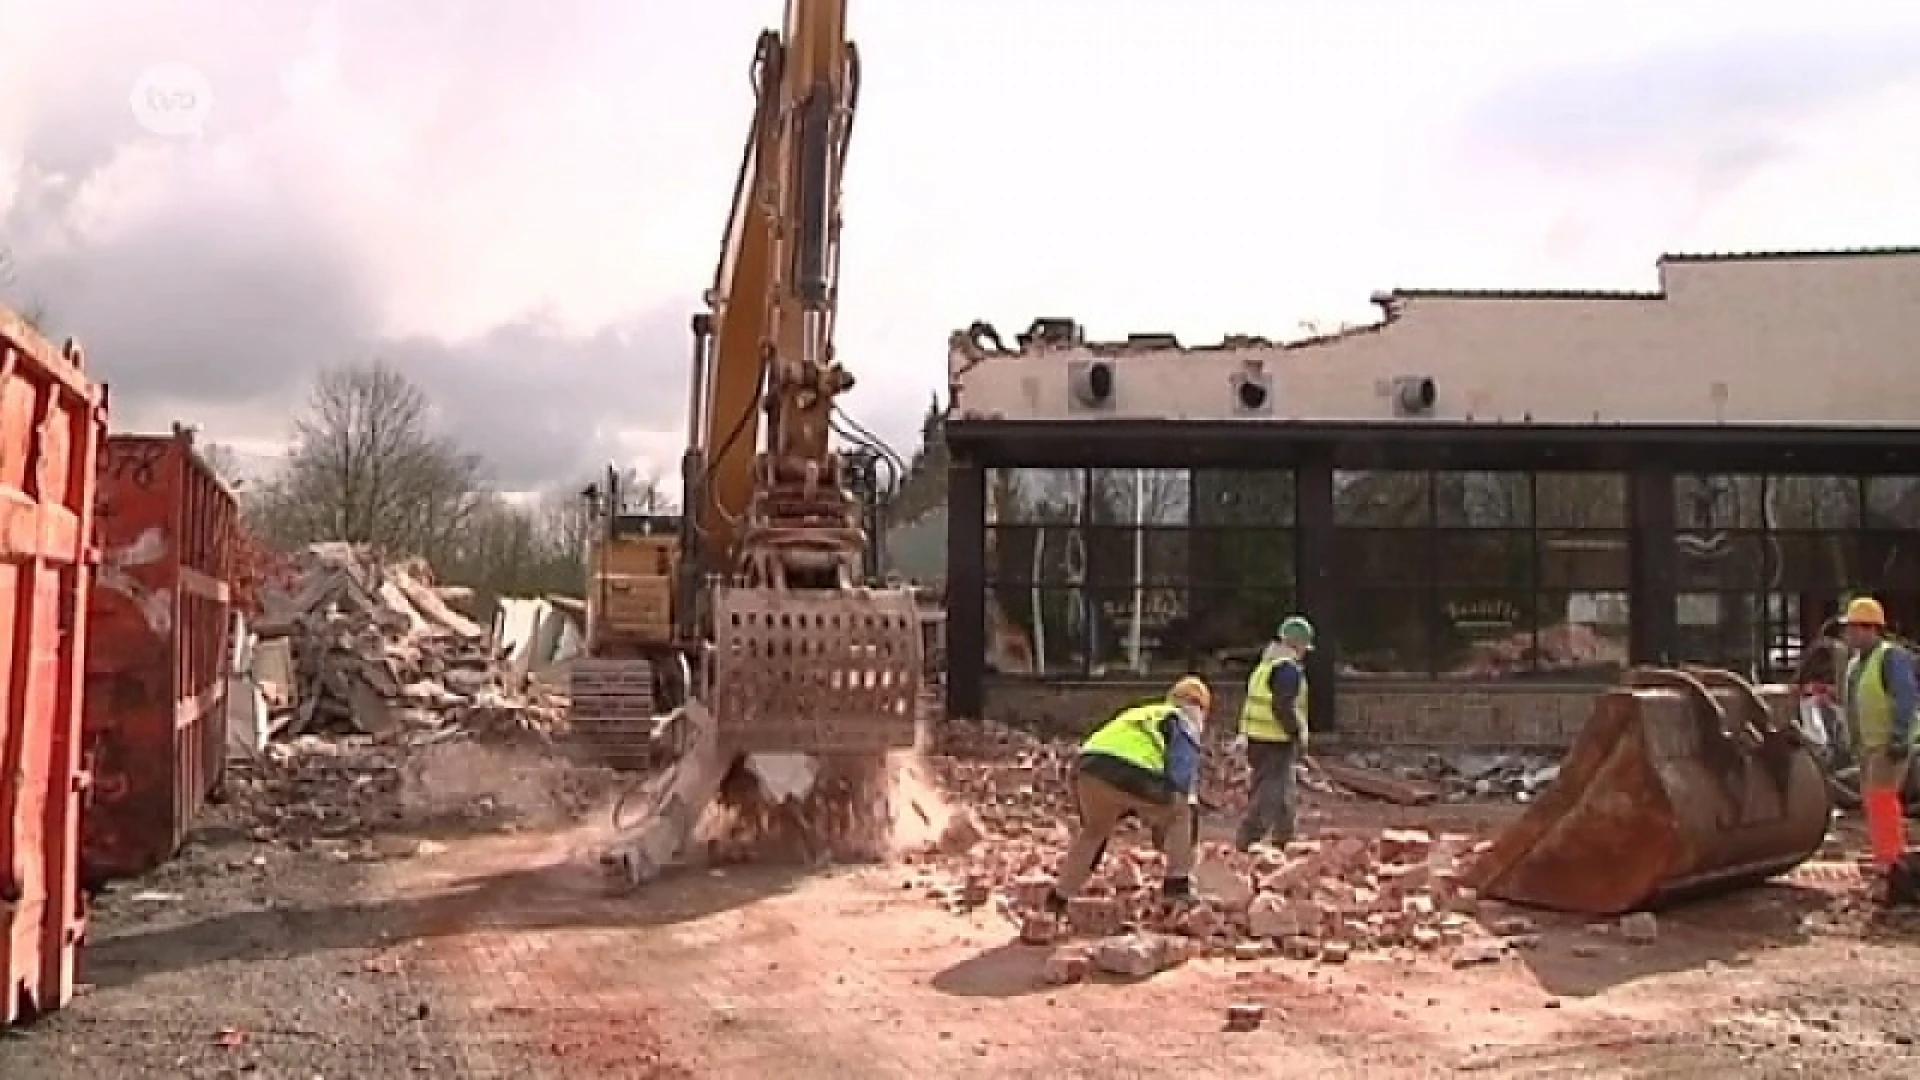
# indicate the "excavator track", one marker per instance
pixel 611 715
pixel 1683 783
pixel 817 671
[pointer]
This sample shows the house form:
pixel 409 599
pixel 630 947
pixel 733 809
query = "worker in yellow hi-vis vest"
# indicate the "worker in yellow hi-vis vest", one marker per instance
pixel 1273 732
pixel 1880 695
pixel 1145 762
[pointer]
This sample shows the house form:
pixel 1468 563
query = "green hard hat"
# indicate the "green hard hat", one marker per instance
pixel 1296 628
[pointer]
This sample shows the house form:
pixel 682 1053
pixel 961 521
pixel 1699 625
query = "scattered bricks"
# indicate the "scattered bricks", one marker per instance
pixel 1287 877
pixel 1226 886
pixel 1641 928
pixel 1425 939
pixel 1095 916
pixel 1512 926
pixel 1299 947
pixel 1405 845
pixel 1464 900
pixel 1250 950
pixel 1418 906
pixel 1470 954
pixel 976 891
pixel 1030 890
pixel 1335 952
pixel 1067 966
pixel 1245 1016
pixel 1201 921
pixel 1138 955
pixel 1038 930
pixel 1302 849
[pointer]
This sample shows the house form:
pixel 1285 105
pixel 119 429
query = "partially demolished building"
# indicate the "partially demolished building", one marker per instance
pixel 1487 501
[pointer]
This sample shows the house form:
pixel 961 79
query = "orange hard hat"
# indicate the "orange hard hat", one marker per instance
pixel 1193 688
pixel 1865 611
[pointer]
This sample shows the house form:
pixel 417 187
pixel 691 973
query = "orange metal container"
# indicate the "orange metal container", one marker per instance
pixel 157 657
pixel 51 422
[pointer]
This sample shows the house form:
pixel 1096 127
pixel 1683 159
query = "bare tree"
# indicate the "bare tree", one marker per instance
pixel 367 467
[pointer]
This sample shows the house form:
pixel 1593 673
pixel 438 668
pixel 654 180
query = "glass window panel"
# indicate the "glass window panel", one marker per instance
pixel 1585 560
pixel 1721 629
pixel 1389 500
pixel 1119 557
pixel 1257 497
pixel 1569 500
pixel 1227 628
pixel 1484 633
pixel 1812 502
pixel 1385 632
pixel 1137 632
pixel 1037 631
pixel 1027 496
pixel 1709 504
pixel 1485 557
pixel 1483 500
pixel 1139 496
pixel 1582 634
pixel 1722 560
pixel 1372 557
pixel 1816 562
pixel 1890 565
pixel 1893 502
pixel 1247 558
pixel 1048 554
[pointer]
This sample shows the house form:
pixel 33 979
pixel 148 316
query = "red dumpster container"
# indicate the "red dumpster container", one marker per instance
pixel 157 651
pixel 51 422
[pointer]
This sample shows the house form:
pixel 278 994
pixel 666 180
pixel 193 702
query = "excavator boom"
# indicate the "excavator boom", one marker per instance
pixel 806 657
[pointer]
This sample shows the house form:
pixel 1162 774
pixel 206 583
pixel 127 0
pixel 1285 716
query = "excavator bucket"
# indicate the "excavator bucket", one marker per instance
pixel 816 671
pixel 1683 783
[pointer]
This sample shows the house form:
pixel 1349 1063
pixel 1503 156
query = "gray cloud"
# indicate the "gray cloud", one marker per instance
pixel 211 280
pixel 544 406
pixel 1714 114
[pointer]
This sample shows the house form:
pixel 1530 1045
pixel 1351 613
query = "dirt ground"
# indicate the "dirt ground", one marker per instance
pixel 472 934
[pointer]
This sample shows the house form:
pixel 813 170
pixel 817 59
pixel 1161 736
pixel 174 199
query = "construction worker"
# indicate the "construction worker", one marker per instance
pixel 1144 762
pixel 1273 732
pixel 1879 697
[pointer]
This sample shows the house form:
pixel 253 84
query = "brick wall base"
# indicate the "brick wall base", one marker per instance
pixel 1404 714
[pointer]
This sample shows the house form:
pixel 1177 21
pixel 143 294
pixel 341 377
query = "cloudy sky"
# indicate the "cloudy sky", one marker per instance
pixel 521 202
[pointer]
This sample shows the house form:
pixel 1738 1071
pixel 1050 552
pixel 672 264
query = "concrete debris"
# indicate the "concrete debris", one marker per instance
pixel 1460 776
pixel 1138 955
pixel 1641 928
pixel 377 649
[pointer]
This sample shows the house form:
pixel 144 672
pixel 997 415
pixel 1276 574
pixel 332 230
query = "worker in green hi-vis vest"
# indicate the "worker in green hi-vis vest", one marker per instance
pixel 1273 732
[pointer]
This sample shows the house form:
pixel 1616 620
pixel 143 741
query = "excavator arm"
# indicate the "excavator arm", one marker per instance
pixel 804 659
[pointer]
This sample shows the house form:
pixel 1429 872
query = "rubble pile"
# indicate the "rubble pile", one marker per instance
pixel 348 645
pixel 1466 775
pixel 1347 891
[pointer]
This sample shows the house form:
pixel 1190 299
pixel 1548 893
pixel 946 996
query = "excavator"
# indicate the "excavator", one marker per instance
pixel 785 681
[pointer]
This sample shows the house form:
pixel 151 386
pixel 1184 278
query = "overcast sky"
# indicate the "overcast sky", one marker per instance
pixel 521 202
